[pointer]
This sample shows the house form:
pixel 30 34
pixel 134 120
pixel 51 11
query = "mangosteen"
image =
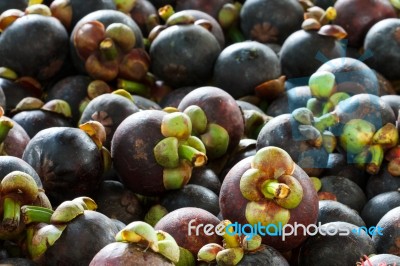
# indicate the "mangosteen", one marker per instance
pixel 117 202
pixel 33 115
pixel 186 226
pixel 184 55
pixel 145 104
pixel 250 64
pixel 73 90
pixel 270 21
pixel 110 109
pixel 173 98
pixel 345 190
pixel 379 205
pixel 337 166
pixel 77 233
pixel 13 137
pixel 198 14
pixel 357 17
pixel 154 151
pixel 335 211
pixel 269 189
pixel 69 12
pixel 144 13
pixel 393 101
pixel 352 76
pixel 191 196
pixel 69 162
pixel 293 98
pixel 381 182
pixel 223 120
pixel 106 44
pixel 304 51
pixel 387 240
pixel 336 244
pixel 15 90
pixel 382 41
pixel 34 45
pixel 140 244
pixel 303 142
pixel 237 250
pixel 206 177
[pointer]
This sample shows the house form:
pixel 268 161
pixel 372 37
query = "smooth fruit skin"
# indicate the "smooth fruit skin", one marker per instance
pixel 242 66
pixel 184 55
pixel 389 241
pixel 132 152
pixel 35 46
pixel 358 16
pixel 383 40
pixel 233 204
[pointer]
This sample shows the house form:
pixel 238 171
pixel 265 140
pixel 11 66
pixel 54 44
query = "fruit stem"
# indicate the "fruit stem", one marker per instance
pixel 325 121
pixel 5 127
pixel 191 154
pixel 133 87
pixel 11 214
pixel 36 214
pixel 274 189
pixel 108 49
pixel 375 163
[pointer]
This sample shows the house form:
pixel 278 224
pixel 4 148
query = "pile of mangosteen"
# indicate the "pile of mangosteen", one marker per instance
pixel 200 132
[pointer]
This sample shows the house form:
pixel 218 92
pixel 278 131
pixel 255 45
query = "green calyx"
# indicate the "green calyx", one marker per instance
pixel 17 188
pixel 145 235
pixel 45 226
pixel 234 247
pixel 357 135
pixel 5 126
pixel 270 188
pixel 154 214
pixel 179 151
pixel 216 140
pixel 322 84
pixel 198 119
pixel 122 35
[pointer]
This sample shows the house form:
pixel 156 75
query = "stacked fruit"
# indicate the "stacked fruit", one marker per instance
pixel 211 132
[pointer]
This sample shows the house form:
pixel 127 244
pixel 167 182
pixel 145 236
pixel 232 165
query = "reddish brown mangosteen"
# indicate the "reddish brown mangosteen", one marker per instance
pixel 270 190
pixel 358 16
pixel 154 151
pixel 144 13
pixel 110 109
pixel 389 239
pixel 140 244
pixel 187 227
pixel 216 117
